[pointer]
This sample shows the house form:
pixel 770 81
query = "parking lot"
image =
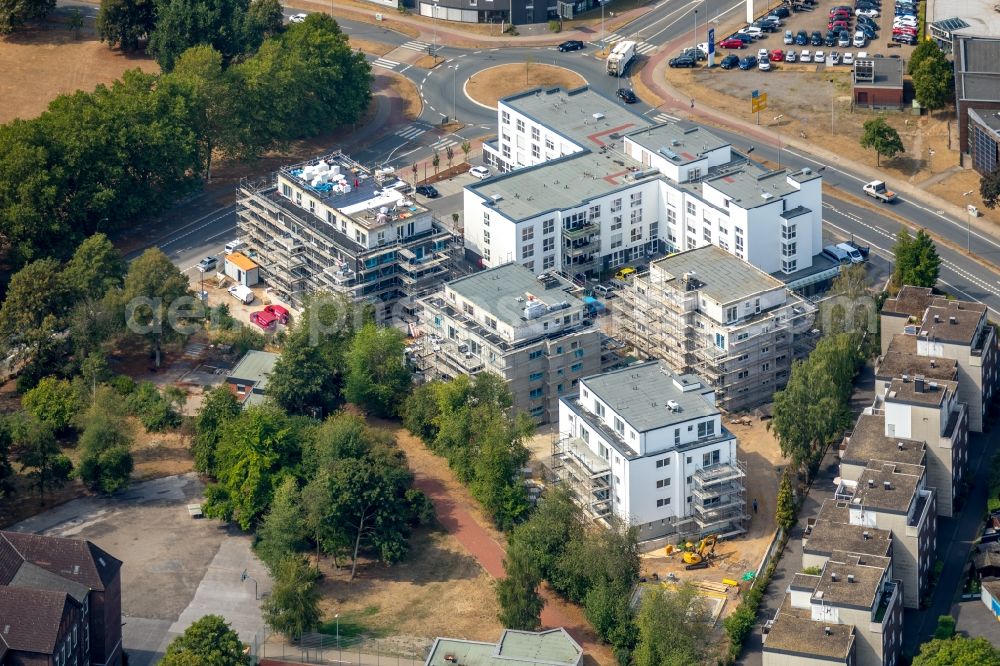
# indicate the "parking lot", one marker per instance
pixel 175 569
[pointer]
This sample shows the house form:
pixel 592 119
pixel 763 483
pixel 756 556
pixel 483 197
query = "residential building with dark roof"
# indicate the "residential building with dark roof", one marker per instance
pixel 67 593
pixel 704 311
pixel 948 329
pixel 648 446
pixel 248 379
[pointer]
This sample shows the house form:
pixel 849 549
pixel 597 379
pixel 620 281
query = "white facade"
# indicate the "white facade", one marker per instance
pixel 659 469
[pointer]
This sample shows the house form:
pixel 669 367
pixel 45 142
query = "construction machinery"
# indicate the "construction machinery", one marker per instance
pixel 698 558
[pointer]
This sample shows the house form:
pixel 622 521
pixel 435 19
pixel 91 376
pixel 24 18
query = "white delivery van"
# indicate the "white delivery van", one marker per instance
pixel 242 293
pixel 234 245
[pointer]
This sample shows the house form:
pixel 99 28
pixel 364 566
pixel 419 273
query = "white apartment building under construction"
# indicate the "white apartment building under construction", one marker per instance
pixel 707 312
pixel 648 446
pixel 329 224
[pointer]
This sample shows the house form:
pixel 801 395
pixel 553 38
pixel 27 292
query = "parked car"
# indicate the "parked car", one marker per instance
pixel 831 38
pixel 868 22
pixel 748 62
pixel 843 38
pixel 753 31
pixel 264 319
pixel 208 263
pixel 781 12
pixel 816 38
pixel 834 57
pixel 428 191
pixel 571 45
pixel 730 61
pixel 696 53
pixel 790 56
pixel 682 61
pixel 870 13
pixel 764 65
pixel 801 38
pixel 805 56
pixel 836 26
pixel 848 58
pixel 242 293
pixel 481 172
pixel 297 18
pixel 278 312
pixel 819 56
pixel 789 37
pixel 777 55
pixel 859 39
pixel 732 43
pixel 905 31
pixel 909 40
pixel 745 38
pixel 761 53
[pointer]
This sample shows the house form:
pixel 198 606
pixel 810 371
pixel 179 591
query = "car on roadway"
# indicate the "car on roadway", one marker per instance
pixel 571 45
pixel 790 56
pixel 627 96
pixel 428 191
pixel 480 172
pixel 208 263
pixel 730 61
pixel 297 18
pixel 748 62
pixel 264 319
pixel 683 61
pixel 732 43
pixel 278 312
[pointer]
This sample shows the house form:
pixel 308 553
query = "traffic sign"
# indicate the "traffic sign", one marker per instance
pixel 758 103
pixel 711 40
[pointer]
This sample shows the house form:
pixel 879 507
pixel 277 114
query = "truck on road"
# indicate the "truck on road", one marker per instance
pixel 620 58
pixel 877 190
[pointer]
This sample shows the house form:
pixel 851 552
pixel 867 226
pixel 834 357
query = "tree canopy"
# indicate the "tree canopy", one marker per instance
pixel 15 14
pixel 209 641
pixel 377 376
pixel 916 260
pixel 126 23
pixel 293 606
pixel 881 137
pixel 958 651
pixel 674 628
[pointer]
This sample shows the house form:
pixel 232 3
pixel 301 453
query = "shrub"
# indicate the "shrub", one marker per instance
pixel 555 26
pixel 945 627
pixel 123 385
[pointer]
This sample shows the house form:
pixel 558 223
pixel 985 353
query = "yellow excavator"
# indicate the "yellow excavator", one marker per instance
pixel 699 558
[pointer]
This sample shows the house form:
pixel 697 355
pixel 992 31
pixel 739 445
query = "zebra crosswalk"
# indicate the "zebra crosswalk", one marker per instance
pixel 411 132
pixel 663 118
pixel 642 48
pixel 441 144
pixel 386 63
pixel 415 45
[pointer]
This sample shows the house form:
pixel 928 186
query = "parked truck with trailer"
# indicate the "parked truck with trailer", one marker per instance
pixel 620 58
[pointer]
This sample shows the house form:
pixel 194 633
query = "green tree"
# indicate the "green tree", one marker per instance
pixel 218 408
pixel 945 627
pixel 436 161
pixel 181 24
pixel 15 13
pixel 517 593
pixel 7 486
pixel 926 49
pixel 917 261
pixel 989 188
pixel 293 607
pixel 377 377
pixel 674 628
pixel 933 82
pixel 39 454
pixel 282 532
pixel 958 651
pixel 75 21
pixel 126 23
pixel 420 411
pixel 152 296
pixel 881 137
pixel 263 19
pixel 209 641
pixel 95 268
pixel 53 402
pixel 466 149
pixel 36 300
pixel 784 514
pixel 106 461
pixel 251 459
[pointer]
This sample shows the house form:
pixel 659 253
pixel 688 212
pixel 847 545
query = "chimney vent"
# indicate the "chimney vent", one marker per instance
pixel 887 485
pixel 850 578
pixel 827 630
pixel 918 383
pixel 866 535
pixel 871 483
pixel 899 445
pixel 952 320
pixel 833 576
pixel 937 319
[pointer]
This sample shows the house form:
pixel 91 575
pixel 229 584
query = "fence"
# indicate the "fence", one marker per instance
pixel 769 553
pixel 325 649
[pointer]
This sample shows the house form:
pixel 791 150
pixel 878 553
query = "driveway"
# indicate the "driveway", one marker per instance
pixel 175 569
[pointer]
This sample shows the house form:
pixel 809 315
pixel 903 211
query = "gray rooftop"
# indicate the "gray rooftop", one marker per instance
pixel 925 393
pixel 571 113
pixel 754 186
pixel 981 16
pixel 566 182
pixel 901 358
pixel 987 117
pixel 718 274
pixel 681 142
pixel 255 367
pixel 868 572
pixel 515 648
pixel 868 441
pixel 903 482
pixel 496 291
pixel 794 632
pixel 954 322
pixel 828 536
pixel 640 394
pixel 887 73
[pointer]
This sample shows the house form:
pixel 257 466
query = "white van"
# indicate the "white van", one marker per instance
pixel 603 290
pixel 853 255
pixel 234 245
pixel 242 293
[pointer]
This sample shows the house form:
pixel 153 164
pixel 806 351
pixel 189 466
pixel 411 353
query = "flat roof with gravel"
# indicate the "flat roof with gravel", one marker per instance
pixel 718 274
pixel 901 358
pixel 868 441
pixel 496 291
pixel 795 633
pixel 828 537
pixel 680 142
pixel 835 586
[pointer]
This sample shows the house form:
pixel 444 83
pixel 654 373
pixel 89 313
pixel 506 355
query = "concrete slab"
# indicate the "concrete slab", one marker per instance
pixel 974 619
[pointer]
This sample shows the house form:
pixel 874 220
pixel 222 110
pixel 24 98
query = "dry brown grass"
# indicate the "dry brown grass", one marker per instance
pixel 428 62
pixel 39 65
pixel 489 85
pixel 371 47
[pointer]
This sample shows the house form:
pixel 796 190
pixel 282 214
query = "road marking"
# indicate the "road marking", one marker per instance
pixel 383 62
pixel 415 45
pixel 410 132
pixel 645 47
pixel 405 68
pixel 443 143
pixel 663 118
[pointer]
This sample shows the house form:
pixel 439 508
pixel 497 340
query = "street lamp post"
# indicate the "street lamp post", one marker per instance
pixel 339 655
pixel 603 44
pixel 454 92
pixel 696 36
pixel 968 228
pixel 434 21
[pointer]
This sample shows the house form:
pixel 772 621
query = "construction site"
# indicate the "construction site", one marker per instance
pixel 330 224
pixel 740 329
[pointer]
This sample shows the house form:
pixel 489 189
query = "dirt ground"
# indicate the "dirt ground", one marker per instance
pixel 408 598
pixel 39 65
pixel 489 85
pixel 371 47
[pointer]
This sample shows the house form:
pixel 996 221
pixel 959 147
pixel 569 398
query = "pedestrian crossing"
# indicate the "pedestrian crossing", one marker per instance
pixel 443 143
pixel 415 45
pixel 642 48
pixel 663 118
pixel 386 63
pixel 411 132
